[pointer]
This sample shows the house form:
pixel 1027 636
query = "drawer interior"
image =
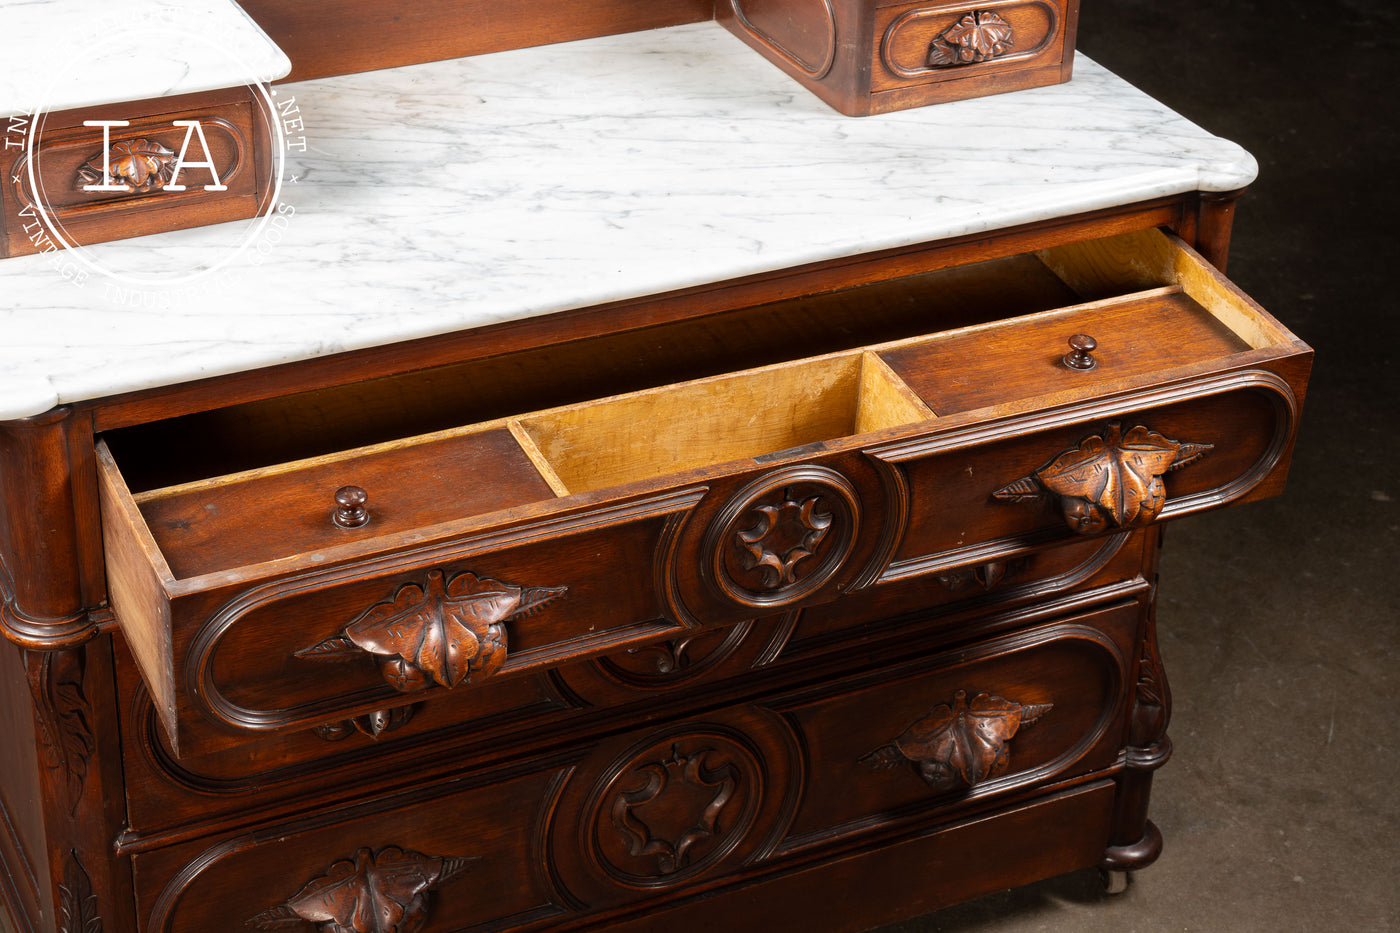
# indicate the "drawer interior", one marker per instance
pixel 678 428
pixel 1152 306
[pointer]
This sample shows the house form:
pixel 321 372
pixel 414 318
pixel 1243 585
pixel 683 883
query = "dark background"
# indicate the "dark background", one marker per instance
pixel 1279 621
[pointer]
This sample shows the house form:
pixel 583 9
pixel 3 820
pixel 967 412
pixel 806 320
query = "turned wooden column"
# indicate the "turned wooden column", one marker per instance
pixel 64 778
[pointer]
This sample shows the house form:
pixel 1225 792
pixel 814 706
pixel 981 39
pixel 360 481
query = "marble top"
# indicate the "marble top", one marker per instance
pixel 438 197
pixel 62 54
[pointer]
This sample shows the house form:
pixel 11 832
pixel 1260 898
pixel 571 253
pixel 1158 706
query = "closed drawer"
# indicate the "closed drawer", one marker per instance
pixel 873 56
pixel 573 532
pixel 659 811
pixel 75 184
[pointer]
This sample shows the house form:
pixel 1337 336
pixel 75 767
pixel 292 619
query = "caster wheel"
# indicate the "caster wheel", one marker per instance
pixel 1114 882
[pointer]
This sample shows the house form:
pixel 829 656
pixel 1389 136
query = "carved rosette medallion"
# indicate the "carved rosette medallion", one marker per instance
pixel 137 164
pixel 979 36
pixel 1113 480
pixel 783 536
pixel 961 745
pixel 674 810
pixel 384 892
pixel 444 632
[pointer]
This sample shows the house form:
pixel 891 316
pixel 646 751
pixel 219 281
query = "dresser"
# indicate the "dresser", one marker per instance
pixel 616 491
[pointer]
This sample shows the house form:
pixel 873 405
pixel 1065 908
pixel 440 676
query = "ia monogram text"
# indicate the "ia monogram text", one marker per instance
pixel 193 129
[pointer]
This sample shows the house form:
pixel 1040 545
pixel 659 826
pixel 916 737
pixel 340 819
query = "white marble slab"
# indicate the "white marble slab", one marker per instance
pixel 62 54
pixel 446 196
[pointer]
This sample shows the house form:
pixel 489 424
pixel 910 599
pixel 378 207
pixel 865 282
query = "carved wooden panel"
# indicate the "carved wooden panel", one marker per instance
pixel 800 32
pixel 783 536
pixel 1109 480
pixel 443 632
pixel 373 892
pixel 962 744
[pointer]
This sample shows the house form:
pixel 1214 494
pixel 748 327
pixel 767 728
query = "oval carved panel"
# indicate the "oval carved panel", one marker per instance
pixel 674 809
pixel 783 536
pixel 934 38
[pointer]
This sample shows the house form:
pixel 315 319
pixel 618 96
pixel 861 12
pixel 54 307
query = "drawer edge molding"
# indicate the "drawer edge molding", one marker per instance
pixel 940 48
pixel 1273 387
pixel 204 694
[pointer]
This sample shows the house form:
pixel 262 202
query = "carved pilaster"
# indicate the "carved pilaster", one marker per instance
pixel 1136 842
pixel 63 718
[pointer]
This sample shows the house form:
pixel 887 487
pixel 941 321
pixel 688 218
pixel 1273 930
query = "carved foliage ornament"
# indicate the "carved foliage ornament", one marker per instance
pixel 64 716
pixel 77 904
pixel 443 632
pixel 961 745
pixel 1109 480
pixel 371 893
pixel 139 164
pixel 678 773
pixel 979 36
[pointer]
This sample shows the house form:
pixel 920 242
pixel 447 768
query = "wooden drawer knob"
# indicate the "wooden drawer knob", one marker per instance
pixel 350 511
pixel 1081 349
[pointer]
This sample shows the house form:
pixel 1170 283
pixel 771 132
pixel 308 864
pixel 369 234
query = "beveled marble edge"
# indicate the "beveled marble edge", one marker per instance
pixel 440 197
pixel 65 54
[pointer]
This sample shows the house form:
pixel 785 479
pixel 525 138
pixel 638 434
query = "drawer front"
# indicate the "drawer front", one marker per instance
pixel 645 815
pixel 108 184
pixel 378 634
pixel 986 493
pixel 929 42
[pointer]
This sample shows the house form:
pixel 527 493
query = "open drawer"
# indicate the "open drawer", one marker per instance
pixel 299 593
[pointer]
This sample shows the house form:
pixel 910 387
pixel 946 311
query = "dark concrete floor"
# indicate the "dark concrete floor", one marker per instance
pixel 1279 621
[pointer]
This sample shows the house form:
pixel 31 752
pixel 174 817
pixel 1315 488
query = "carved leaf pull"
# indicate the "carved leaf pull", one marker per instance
pixel 444 632
pixel 960 745
pixel 1113 480
pixel 371 893
pixel 978 36
pixel 139 164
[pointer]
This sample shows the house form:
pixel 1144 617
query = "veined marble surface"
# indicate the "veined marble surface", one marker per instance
pixel 61 54
pixel 439 197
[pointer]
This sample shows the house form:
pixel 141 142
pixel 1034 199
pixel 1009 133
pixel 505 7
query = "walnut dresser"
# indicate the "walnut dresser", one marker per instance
pixel 620 493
